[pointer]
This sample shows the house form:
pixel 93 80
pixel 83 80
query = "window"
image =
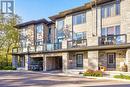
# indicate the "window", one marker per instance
pixel 79 19
pixel 60 26
pixel 114 30
pixel 39 42
pixel 49 35
pixel 104 32
pixel 111 60
pixel 23 43
pixel 110 30
pixel 23 38
pixel 79 60
pixel 39 34
pixel 117 30
pixel 110 10
pixel 39 28
pixel 118 7
pixel 78 37
pixel 103 12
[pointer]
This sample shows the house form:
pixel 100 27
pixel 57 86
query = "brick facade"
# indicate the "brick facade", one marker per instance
pixel 94 55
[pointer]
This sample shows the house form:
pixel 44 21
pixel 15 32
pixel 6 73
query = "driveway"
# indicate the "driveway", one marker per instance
pixel 40 79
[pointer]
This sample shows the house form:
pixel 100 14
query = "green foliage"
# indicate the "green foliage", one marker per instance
pixel 7 68
pixel 121 76
pixel 9 37
pixel 93 73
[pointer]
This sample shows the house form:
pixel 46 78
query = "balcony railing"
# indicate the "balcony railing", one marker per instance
pixel 113 40
pixel 39 48
pixel 77 43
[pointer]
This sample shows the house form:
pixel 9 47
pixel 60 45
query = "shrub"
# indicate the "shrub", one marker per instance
pixel 7 68
pixel 93 73
pixel 1 67
pixel 121 76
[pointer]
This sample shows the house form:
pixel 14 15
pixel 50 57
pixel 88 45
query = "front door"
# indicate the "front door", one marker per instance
pixel 111 60
pixel 79 60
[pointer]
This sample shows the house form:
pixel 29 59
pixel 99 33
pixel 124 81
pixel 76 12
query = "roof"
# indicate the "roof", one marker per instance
pixel 34 22
pixel 86 6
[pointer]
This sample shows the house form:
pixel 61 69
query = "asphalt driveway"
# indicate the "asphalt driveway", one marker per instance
pixel 40 79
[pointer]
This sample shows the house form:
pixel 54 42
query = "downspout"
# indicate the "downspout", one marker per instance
pixel 72 29
pixel 94 3
pixel 96 18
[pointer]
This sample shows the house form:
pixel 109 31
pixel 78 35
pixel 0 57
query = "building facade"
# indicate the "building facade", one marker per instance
pixel 87 37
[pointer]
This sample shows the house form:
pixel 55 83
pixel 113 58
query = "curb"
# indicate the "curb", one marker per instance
pixel 89 77
pixel 70 75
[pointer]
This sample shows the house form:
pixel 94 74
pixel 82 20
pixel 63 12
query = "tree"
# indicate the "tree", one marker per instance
pixel 9 35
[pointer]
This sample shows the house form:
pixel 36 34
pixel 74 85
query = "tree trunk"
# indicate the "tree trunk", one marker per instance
pixel 7 52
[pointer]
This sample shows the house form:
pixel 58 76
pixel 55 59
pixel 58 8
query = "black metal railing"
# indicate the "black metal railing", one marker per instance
pixel 113 39
pixel 38 48
pixel 77 43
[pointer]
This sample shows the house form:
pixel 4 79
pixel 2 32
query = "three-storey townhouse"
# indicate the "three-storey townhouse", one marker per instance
pixel 87 37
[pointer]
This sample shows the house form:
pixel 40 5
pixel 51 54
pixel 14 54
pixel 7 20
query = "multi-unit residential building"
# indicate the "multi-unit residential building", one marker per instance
pixel 87 37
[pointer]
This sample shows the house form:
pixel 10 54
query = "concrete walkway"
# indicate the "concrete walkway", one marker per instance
pixel 40 79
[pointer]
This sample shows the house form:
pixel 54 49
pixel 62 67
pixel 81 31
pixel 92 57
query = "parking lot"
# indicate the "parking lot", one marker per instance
pixel 40 79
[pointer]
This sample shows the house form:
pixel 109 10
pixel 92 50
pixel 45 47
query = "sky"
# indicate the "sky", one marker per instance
pixel 38 9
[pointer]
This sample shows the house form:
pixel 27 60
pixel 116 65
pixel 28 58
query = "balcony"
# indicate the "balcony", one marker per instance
pixel 113 40
pixel 77 43
pixel 39 48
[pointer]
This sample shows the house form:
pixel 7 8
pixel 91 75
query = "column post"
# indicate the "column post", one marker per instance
pixel 27 62
pixel 65 57
pixel 128 59
pixel 15 61
pixel 93 60
pixel 44 63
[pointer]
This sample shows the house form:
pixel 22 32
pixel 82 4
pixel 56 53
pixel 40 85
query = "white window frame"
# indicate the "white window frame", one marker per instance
pixel 82 20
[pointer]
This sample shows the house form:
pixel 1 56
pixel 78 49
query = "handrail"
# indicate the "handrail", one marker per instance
pixel 77 43
pixel 38 48
pixel 113 39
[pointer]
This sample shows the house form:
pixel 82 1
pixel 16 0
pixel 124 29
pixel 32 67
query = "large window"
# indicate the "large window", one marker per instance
pixel 110 10
pixel 79 37
pixel 79 19
pixel 39 34
pixel 111 35
pixel 23 38
pixel 113 30
pixel 118 7
pixel 60 26
pixel 49 35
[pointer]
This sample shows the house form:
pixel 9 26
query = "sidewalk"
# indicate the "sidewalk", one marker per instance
pixel 89 77
pixel 59 73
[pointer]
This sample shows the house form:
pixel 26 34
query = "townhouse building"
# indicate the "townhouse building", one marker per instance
pixel 87 37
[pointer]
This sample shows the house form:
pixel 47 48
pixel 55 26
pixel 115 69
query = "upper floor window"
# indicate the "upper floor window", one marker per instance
pixel 23 34
pixel 113 30
pixel 59 31
pixel 39 34
pixel 49 35
pixel 80 36
pixel 79 19
pixel 118 8
pixel 60 24
pixel 39 28
pixel 110 10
